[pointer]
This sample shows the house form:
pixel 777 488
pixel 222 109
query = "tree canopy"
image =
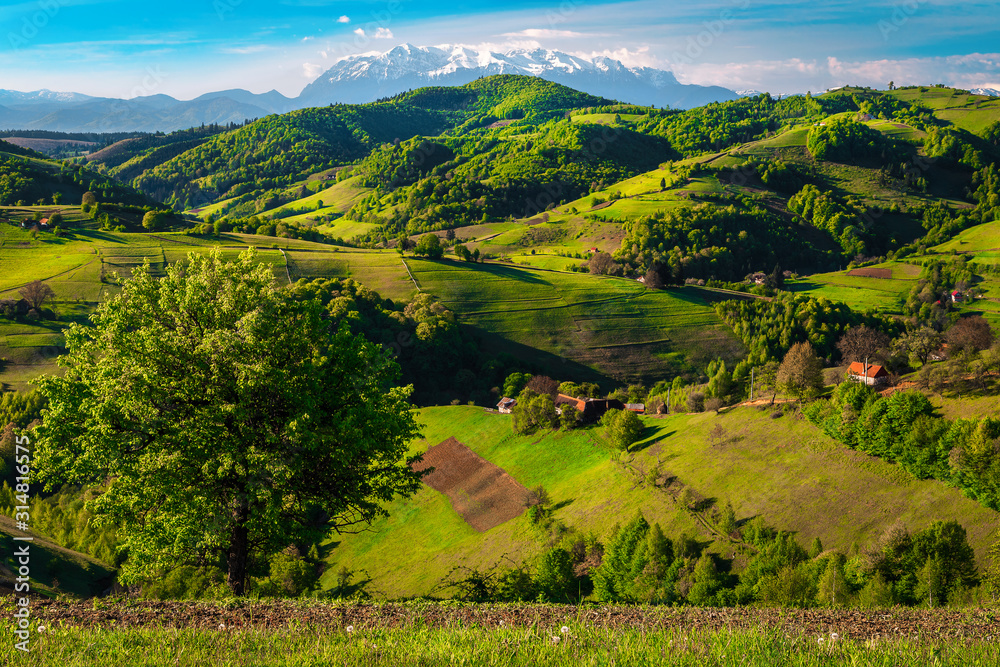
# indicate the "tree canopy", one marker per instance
pixel 224 420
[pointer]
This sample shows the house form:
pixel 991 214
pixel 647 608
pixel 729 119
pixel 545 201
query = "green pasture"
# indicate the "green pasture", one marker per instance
pixel 984 237
pixel 614 325
pixel 860 292
pixel 567 233
pixel 784 470
pixel 969 112
pixel 339 197
pixel 606 118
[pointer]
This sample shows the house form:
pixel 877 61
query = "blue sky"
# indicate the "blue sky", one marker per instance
pixel 184 48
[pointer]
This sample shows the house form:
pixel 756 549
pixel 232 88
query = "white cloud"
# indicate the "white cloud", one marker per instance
pixel 359 31
pixel 311 71
pixel 799 75
pixel 344 19
pixel 245 50
pixel 541 33
pixel 383 33
pixel 640 57
pixel 498 47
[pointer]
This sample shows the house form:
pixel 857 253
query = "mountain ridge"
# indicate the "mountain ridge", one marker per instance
pixel 365 77
pixel 355 80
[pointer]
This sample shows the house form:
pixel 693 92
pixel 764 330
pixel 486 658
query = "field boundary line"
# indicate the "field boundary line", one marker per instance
pixel 61 273
pixel 287 272
pixel 409 273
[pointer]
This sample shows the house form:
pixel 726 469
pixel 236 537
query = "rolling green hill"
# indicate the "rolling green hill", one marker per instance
pixel 29 178
pixel 784 470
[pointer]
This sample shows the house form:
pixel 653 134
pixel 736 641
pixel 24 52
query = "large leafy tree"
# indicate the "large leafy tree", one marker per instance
pixel 801 372
pixel 224 419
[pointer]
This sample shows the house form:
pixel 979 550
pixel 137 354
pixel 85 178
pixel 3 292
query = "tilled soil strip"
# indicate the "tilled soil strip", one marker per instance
pixel 928 625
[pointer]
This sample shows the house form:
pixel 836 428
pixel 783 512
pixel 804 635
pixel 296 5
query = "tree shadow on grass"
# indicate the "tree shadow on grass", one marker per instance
pixel 649 438
pixel 99 235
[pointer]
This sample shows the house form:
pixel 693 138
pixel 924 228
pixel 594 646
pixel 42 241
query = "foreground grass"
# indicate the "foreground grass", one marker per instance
pixel 473 645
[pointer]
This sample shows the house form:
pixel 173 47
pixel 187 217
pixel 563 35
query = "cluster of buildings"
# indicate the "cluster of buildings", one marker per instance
pixel 590 409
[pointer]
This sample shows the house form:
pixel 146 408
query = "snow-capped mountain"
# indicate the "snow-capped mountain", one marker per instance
pixel 364 78
pixel 43 96
pixel 992 92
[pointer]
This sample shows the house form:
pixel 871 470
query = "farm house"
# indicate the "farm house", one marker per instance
pixel 871 374
pixel 506 404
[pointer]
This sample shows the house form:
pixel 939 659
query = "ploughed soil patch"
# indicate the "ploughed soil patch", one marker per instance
pixel 917 624
pixel 482 493
pixel 870 272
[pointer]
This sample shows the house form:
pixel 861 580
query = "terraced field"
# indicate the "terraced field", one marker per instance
pixel 613 324
pixel 862 292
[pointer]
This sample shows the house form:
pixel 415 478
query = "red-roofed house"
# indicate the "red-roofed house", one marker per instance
pixel 871 374
pixel 506 404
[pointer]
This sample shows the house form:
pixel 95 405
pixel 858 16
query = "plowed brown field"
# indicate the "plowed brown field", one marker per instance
pixel 871 273
pixel 482 493
pixel 927 625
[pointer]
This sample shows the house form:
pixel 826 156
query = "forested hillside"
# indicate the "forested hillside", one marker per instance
pixel 513 237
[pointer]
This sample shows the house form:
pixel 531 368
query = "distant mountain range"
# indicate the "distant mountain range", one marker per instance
pixel 368 77
pixel 357 80
pixel 73 112
pixel 360 79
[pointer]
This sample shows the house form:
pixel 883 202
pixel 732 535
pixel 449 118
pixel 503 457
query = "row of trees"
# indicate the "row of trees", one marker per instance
pixel 638 563
pixel 904 429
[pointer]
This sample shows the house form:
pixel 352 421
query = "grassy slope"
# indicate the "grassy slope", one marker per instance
pixel 72 266
pixel 969 112
pixel 54 569
pixel 423 538
pixel 859 292
pixel 613 324
pixel 785 470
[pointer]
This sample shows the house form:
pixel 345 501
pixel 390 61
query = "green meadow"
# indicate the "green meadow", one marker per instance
pixel 783 469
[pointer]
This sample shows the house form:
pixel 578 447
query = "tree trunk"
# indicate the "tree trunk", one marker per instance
pixel 239 546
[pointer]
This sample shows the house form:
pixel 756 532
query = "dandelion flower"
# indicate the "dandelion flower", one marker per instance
pixel 820 640
pixel 501 623
pixel 41 628
pixel 564 629
pixel 834 636
pixel 555 639
pixel 222 626
pixel 349 628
